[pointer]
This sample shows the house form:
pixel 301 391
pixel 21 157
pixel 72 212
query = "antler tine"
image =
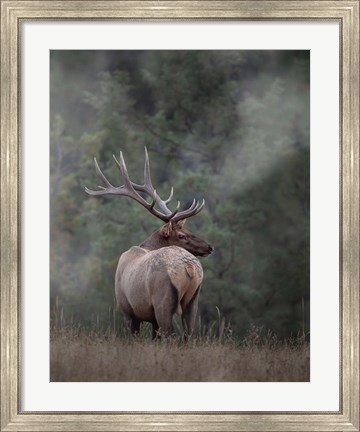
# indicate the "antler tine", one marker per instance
pixel 175 211
pixel 147 175
pixel 110 188
pixel 101 174
pixel 122 167
pixel 170 196
pixel 193 210
pixel 148 188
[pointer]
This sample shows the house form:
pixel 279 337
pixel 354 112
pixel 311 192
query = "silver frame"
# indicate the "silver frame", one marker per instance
pixel 345 12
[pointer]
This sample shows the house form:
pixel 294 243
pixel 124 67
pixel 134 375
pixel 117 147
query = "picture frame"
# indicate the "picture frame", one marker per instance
pixel 12 13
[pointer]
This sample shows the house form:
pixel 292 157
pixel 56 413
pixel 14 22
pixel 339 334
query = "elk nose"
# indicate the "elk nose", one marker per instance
pixel 211 248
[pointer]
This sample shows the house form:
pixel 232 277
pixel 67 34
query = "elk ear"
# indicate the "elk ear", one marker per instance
pixel 166 229
pixel 181 223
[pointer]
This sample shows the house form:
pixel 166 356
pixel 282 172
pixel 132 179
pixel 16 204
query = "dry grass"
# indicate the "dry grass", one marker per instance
pixel 82 356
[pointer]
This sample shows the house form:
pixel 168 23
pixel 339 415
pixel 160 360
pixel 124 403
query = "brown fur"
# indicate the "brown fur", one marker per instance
pixel 161 277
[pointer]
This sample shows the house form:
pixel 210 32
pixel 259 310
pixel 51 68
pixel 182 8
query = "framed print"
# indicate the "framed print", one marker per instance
pixel 251 106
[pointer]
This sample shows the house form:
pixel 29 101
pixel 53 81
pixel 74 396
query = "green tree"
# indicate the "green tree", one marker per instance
pixel 228 126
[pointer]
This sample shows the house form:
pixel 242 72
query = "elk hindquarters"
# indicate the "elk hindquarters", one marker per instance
pixel 167 299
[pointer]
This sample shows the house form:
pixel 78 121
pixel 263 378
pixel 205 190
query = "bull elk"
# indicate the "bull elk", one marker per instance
pixel 162 276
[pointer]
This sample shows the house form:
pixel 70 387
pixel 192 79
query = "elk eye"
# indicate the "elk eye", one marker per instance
pixel 181 236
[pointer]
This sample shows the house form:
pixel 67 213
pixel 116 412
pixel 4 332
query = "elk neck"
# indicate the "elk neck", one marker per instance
pixel 155 241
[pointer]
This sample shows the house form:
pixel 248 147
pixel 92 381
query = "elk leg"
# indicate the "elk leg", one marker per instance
pixel 155 328
pixel 189 314
pixel 165 304
pixel 164 320
pixel 135 325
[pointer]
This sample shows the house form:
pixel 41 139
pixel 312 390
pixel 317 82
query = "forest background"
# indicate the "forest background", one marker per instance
pixel 232 127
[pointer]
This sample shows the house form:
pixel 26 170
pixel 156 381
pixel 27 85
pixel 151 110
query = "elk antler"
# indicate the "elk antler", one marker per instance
pixel 131 190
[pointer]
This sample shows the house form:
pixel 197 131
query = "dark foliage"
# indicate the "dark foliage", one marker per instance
pixel 228 126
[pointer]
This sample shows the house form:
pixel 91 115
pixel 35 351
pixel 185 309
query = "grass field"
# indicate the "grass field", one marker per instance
pixel 79 355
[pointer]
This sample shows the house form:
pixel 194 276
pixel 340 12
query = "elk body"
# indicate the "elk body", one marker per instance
pixel 162 276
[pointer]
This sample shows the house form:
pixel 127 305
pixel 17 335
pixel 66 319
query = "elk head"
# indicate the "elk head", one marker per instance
pixel 173 232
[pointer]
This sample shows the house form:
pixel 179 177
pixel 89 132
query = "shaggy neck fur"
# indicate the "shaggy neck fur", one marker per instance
pixel 155 241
